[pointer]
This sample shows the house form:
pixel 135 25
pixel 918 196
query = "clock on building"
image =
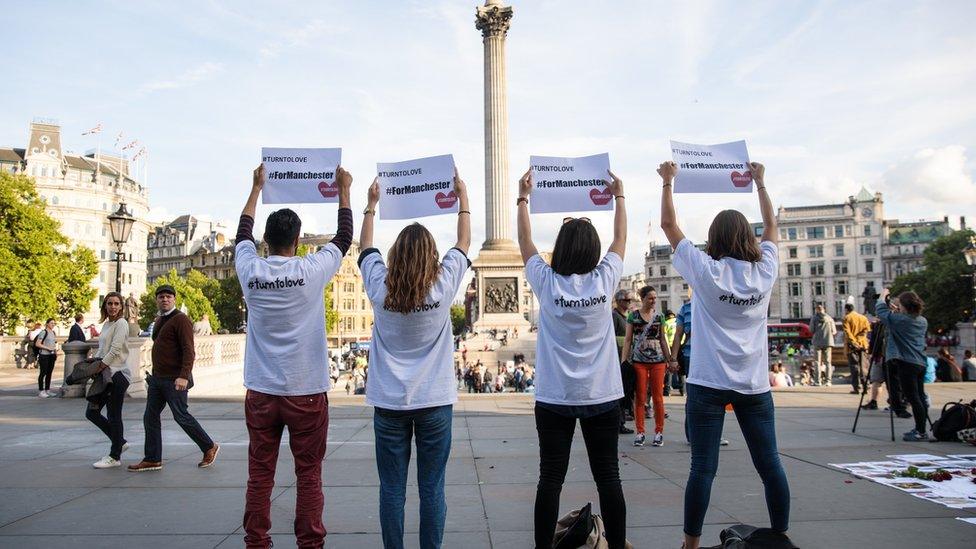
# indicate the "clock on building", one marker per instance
pixel 867 212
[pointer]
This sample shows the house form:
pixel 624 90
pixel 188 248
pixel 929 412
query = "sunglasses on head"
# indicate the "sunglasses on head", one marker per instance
pixel 583 219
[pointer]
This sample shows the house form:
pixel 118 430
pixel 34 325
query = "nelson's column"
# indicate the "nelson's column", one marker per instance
pixel 499 274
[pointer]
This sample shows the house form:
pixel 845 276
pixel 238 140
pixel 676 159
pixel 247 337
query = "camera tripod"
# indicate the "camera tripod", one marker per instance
pixel 876 357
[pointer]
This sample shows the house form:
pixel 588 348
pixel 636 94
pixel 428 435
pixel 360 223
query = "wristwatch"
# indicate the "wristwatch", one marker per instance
pixel 521 199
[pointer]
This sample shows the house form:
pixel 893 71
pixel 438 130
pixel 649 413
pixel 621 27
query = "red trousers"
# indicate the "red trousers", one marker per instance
pixel 307 419
pixel 653 374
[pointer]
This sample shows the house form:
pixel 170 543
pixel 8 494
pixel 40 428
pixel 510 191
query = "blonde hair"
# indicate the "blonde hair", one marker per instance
pixel 412 270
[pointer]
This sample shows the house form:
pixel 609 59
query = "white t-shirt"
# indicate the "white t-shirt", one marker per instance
pixel 728 306
pixel 286 352
pixel 576 352
pixel 411 360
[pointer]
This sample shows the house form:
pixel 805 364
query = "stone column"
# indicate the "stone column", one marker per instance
pixel 74 352
pixel 493 20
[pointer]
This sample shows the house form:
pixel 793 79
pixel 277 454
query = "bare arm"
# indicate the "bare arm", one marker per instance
pixel 679 333
pixel 366 231
pixel 464 215
pixel 524 225
pixel 257 184
pixel 663 339
pixel 628 342
pixel 619 244
pixel 770 232
pixel 669 221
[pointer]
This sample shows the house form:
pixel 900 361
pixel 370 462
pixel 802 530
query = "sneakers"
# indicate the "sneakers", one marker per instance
pixel 624 430
pixel 723 442
pixel 146 466
pixel 658 439
pixel 107 462
pixel 872 405
pixel 914 436
pixel 209 456
pixel 904 414
pixel 639 440
pixel 124 448
pixel 42 394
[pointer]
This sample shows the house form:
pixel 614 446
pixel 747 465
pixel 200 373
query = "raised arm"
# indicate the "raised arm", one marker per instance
pixel 770 232
pixel 619 244
pixel 524 226
pixel 464 215
pixel 669 221
pixel 246 224
pixel 344 228
pixel 366 231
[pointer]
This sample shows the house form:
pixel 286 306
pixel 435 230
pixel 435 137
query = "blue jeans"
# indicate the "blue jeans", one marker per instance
pixel 705 410
pixel 393 429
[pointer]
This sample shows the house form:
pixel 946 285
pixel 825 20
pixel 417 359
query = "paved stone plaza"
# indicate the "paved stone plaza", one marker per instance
pixel 50 496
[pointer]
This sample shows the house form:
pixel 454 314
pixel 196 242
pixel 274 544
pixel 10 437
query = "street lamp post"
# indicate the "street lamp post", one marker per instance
pixel 969 252
pixel 120 223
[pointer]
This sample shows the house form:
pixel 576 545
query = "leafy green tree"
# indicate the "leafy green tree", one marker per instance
pixel 331 314
pixel 457 319
pixel 41 274
pixel 944 284
pixel 229 303
pixel 196 303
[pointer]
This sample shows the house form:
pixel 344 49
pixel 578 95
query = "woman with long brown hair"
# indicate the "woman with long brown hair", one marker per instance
pixel 902 316
pixel 577 365
pixel 732 281
pixel 112 354
pixel 411 380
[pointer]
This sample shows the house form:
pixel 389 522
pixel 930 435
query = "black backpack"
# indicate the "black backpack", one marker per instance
pixel 955 417
pixel 743 536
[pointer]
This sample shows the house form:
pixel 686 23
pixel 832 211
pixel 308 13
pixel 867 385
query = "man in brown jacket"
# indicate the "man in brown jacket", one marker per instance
pixel 171 379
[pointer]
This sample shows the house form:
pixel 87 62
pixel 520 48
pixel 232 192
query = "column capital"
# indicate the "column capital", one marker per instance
pixel 493 19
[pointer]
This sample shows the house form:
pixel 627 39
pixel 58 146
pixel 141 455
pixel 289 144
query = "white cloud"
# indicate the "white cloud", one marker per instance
pixel 189 77
pixel 294 38
pixel 932 176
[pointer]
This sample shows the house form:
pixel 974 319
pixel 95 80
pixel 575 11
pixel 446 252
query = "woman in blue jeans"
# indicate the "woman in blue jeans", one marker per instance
pixel 411 380
pixel 577 365
pixel 732 280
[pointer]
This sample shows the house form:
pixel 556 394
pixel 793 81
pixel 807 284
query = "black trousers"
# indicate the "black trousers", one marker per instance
pixel 855 361
pixel 892 379
pixel 912 378
pixel 628 378
pixel 46 363
pixel 555 440
pixel 160 393
pixel 113 398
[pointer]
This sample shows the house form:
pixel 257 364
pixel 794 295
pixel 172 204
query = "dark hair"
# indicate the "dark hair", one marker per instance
pixel 645 290
pixel 281 230
pixel 79 317
pixel 912 304
pixel 48 321
pixel 967 353
pixel 577 249
pixel 104 310
pixel 731 236
pixel 849 308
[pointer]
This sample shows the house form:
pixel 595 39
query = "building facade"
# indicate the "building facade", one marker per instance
pixel 174 246
pixel 905 244
pixel 81 192
pixel 671 288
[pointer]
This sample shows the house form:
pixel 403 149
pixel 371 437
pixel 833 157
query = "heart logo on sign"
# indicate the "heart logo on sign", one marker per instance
pixel 445 201
pixel 601 197
pixel 741 179
pixel 329 190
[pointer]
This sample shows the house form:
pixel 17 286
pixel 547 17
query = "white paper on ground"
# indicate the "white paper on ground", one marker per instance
pixel 722 168
pixel 563 184
pixel 417 188
pixel 300 175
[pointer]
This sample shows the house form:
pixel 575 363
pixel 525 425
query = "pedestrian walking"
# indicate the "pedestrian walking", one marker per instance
pixel 170 382
pixel 732 281
pixel 576 360
pixel 823 328
pixel 621 308
pixel 77 332
pixel 412 360
pixel 112 353
pixel 906 328
pixel 856 330
pixel 45 342
pixel 646 347
pixel 286 370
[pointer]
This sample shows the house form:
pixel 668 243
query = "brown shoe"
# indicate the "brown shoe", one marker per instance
pixel 209 456
pixel 146 466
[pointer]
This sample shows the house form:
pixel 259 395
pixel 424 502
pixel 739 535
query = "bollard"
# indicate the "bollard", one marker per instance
pixel 75 352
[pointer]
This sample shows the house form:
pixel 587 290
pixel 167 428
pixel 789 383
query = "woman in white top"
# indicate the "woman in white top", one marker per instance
pixel 411 379
pixel 732 280
pixel 577 366
pixel 112 354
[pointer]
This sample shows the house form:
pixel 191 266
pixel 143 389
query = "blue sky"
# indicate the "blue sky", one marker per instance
pixel 829 95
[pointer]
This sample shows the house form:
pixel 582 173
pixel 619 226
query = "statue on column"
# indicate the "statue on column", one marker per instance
pixel 870 300
pixel 132 313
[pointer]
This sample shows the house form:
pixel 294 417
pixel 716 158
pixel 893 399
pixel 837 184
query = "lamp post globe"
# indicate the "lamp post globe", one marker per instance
pixel 120 223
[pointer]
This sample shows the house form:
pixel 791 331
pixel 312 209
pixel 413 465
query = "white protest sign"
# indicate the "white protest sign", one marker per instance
pixel 570 184
pixel 722 168
pixel 417 188
pixel 300 176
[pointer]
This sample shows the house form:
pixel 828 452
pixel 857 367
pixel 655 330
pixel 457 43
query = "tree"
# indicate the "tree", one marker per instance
pixel 331 314
pixel 457 319
pixel 41 274
pixel 944 284
pixel 187 294
pixel 229 304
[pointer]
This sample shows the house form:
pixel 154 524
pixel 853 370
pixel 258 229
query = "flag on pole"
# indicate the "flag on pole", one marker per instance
pixel 132 144
pixel 118 139
pixel 141 152
pixel 96 129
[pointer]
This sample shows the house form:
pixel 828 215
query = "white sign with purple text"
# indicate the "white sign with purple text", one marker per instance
pixel 722 168
pixel 300 176
pixel 417 188
pixel 570 184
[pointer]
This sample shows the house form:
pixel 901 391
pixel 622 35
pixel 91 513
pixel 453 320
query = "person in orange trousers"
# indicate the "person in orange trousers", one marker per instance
pixel 647 348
